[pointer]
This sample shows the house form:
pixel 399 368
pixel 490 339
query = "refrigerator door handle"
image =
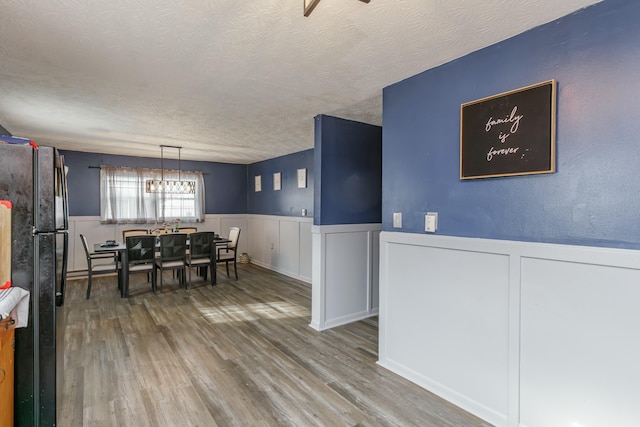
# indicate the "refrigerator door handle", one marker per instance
pixel 65 195
pixel 61 276
pixel 61 181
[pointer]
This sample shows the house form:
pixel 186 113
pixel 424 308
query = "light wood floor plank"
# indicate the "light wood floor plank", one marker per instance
pixel 240 353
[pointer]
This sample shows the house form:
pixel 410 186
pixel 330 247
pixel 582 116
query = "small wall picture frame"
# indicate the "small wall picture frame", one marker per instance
pixel 257 182
pixel 302 178
pixel 277 181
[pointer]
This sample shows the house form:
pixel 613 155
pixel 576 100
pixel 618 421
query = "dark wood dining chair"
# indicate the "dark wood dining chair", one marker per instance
pixel 172 254
pixel 202 253
pixel 188 230
pixel 100 263
pixel 229 252
pixel 141 251
pixel 133 232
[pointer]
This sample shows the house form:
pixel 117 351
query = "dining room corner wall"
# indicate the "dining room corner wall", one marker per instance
pixel 292 198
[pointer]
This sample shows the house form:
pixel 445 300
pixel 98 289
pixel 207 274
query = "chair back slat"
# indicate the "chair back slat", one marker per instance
pixel 188 230
pixel 234 235
pixel 141 249
pixel 173 246
pixel 133 232
pixel 201 244
pixel 229 253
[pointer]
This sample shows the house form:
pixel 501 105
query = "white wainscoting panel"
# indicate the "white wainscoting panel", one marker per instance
pixel 290 236
pixel 461 329
pixel 305 251
pixel 345 274
pixel 271 241
pixel 347 278
pixel 282 244
pixel 256 240
pixel 518 333
pixel 580 363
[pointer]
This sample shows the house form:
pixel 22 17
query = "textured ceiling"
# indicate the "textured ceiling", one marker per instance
pixel 228 80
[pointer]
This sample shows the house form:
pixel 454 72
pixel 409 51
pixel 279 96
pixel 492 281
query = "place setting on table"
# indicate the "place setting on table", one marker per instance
pixel 121 263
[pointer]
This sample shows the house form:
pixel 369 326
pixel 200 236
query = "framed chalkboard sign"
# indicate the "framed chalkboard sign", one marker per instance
pixel 512 133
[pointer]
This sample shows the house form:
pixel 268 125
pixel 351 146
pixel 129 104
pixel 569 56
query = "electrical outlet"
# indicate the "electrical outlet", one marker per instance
pixel 431 222
pixel 397 220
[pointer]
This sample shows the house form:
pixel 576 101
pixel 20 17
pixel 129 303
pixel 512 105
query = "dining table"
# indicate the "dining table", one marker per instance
pixel 121 249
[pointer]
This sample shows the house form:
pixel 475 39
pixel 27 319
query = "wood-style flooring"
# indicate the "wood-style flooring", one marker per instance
pixel 240 353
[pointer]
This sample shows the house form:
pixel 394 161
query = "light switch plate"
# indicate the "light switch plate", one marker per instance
pixel 397 220
pixel 431 222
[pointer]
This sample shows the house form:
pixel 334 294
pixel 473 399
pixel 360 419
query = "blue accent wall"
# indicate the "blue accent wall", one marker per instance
pixel 225 184
pixel 290 200
pixel 348 165
pixel 592 199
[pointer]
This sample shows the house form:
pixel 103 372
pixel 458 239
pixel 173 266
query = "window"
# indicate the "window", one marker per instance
pixel 124 199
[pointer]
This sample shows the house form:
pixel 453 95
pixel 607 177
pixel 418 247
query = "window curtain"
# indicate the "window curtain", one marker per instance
pixel 124 199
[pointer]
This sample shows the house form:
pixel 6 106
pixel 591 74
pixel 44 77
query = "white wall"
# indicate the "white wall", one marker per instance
pixel 521 334
pixel 282 244
pixel 345 274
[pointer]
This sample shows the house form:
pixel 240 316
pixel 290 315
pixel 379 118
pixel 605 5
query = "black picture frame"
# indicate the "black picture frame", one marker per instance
pixel 512 133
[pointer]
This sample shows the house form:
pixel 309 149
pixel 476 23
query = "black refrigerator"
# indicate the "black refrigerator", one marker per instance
pixel 34 180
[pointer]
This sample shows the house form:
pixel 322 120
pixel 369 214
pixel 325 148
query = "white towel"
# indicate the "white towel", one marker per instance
pixel 14 302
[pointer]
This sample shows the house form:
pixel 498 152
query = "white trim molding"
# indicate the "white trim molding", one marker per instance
pixel 345 274
pixel 282 244
pixel 517 333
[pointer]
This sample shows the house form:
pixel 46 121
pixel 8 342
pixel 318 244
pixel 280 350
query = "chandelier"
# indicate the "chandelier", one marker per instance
pixel 170 186
pixel 309 5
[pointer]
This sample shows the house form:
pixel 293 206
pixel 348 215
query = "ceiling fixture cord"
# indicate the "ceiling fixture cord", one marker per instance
pixel 170 186
pixel 309 5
